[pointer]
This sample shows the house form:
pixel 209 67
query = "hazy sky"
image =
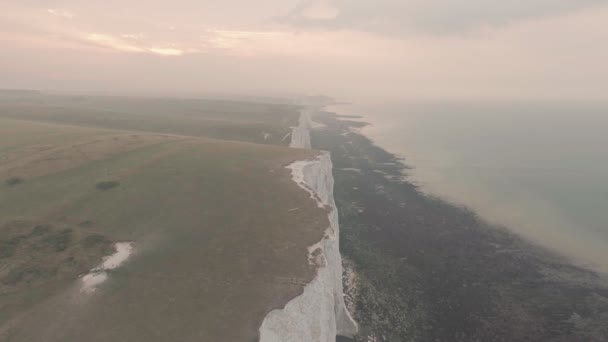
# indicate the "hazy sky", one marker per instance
pixel 382 49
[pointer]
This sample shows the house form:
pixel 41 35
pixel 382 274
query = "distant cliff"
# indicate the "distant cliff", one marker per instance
pixel 18 93
pixel 319 314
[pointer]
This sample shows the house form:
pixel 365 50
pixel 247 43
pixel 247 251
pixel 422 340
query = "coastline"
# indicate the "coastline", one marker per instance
pixel 319 313
pixel 432 271
pixel 207 241
pixel 518 173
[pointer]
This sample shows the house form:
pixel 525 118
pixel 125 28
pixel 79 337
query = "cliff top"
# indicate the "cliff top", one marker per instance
pixel 219 230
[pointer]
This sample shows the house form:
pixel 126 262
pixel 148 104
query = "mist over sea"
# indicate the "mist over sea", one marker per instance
pixel 539 169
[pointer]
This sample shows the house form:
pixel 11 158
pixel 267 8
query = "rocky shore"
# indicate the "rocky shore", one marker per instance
pixel 427 270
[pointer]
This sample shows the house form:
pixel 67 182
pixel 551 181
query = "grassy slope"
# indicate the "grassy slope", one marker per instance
pixel 210 220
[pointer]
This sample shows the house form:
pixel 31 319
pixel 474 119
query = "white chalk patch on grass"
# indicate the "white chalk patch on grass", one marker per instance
pixel 92 280
pixel 123 251
pixel 99 274
pixel 352 169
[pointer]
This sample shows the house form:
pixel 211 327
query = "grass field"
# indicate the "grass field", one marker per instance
pixel 241 121
pixel 211 221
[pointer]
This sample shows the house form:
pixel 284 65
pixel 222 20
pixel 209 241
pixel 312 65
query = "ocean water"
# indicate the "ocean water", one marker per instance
pixel 539 169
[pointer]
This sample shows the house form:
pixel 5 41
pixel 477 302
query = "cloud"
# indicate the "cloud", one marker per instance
pixel 398 17
pixel 60 13
pixel 112 42
pixel 165 51
pixel 357 49
pixel 319 10
pixel 119 44
pixel 132 36
pixel 233 39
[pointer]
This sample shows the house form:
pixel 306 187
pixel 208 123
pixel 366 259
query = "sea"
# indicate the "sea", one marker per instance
pixel 537 168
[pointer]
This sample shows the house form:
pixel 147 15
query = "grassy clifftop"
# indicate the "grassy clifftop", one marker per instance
pixel 262 123
pixel 218 225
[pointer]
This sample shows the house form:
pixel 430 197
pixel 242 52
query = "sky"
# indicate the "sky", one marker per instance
pixel 349 49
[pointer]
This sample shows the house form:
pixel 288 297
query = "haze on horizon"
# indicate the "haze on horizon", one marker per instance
pixel 381 49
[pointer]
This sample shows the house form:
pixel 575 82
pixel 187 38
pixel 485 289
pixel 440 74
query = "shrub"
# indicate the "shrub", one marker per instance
pixel 86 223
pixel 106 185
pixel 59 241
pixel 7 249
pixel 27 275
pixel 94 240
pixel 13 181
pixel 41 229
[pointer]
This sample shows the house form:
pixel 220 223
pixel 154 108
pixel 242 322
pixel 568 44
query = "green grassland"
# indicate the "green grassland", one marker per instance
pixel 211 221
pixel 241 121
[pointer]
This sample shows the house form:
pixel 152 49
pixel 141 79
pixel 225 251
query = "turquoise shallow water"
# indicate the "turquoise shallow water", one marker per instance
pixel 539 169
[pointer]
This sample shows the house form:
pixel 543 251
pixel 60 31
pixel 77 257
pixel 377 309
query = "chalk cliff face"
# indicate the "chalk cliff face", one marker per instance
pixel 319 314
pixel 300 135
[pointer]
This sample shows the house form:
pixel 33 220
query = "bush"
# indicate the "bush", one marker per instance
pixel 7 249
pixel 86 223
pixel 27 275
pixel 106 185
pixel 13 181
pixel 41 229
pixel 95 240
pixel 59 241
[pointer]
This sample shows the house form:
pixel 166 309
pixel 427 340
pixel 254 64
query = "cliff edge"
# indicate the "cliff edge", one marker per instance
pixel 319 313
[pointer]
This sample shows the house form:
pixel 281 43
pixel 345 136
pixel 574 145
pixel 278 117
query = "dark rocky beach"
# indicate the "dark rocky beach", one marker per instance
pixel 428 270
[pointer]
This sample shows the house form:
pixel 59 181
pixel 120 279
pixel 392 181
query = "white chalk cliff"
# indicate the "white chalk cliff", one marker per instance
pixel 319 313
pixel 300 135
